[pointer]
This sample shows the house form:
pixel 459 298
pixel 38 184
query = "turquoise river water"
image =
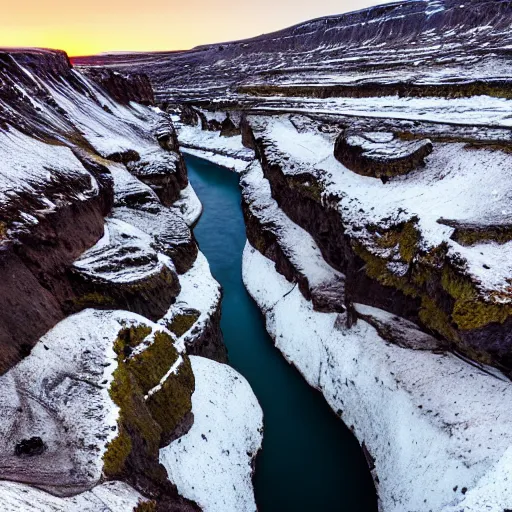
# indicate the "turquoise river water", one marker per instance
pixel 310 461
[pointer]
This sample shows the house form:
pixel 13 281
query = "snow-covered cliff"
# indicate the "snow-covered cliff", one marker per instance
pixel 104 296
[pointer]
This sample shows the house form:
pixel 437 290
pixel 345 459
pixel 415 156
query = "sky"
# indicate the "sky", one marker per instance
pixel 93 26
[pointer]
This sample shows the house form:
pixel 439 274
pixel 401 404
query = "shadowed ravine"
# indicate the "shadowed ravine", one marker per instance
pixel 310 461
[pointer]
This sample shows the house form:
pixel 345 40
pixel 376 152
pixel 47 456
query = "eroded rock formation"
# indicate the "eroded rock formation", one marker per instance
pixel 105 294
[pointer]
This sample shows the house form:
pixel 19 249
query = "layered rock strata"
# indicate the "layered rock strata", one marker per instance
pixel 105 296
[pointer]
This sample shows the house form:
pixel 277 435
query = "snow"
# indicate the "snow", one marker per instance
pixel 172 371
pixel 227 152
pixel 485 111
pixel 424 417
pixel 229 163
pixel 212 463
pixel 296 243
pixel 107 497
pixel 199 292
pixel 456 183
pixel 189 205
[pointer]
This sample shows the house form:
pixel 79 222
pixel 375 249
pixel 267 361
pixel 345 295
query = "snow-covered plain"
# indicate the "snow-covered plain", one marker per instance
pixel 484 111
pixel 438 428
pixel 212 463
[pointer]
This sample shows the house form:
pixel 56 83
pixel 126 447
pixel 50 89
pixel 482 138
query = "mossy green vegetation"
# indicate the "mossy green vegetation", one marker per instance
pixel 470 311
pixel 469 237
pixel 150 366
pixel 146 506
pixel 183 322
pixel 93 299
pixel 432 271
pixel 143 422
pixel 170 405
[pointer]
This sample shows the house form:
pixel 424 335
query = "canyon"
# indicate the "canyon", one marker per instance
pixel 372 151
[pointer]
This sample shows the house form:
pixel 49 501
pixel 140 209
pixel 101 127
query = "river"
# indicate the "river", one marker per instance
pixel 310 460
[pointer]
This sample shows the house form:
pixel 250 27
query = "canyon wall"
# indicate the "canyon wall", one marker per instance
pixel 109 330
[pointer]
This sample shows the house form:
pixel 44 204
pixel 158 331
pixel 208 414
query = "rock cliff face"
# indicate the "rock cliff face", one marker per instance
pixel 370 287
pixel 124 88
pixel 377 203
pixel 104 296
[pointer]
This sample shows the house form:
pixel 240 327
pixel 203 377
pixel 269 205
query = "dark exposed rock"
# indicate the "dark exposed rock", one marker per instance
pixel 189 116
pixel 125 157
pixel 209 342
pixel 124 87
pixel 247 135
pixel 166 135
pixel 165 173
pixel 228 128
pixel 30 447
pixel 380 154
pixel 470 233
pixel 34 256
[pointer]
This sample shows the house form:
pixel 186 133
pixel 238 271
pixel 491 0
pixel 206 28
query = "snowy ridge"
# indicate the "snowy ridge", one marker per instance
pixel 296 243
pixel 212 463
pixel 421 415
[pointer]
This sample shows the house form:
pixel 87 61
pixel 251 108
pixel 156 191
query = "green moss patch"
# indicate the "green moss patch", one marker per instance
pixel 183 322
pixel 151 365
pixel 470 311
pixel 146 506
pixel 169 406
pixel 142 423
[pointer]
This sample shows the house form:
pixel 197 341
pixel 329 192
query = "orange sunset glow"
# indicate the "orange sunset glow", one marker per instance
pixel 93 26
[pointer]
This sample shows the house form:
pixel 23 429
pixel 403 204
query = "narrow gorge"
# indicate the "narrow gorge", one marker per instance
pixel 272 274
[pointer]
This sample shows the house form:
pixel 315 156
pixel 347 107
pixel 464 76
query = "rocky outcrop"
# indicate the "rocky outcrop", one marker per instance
pixel 85 385
pixel 57 191
pixel 388 261
pixel 124 88
pixel 380 154
pixel 228 128
pixel 105 293
pixel 189 116
pixel 123 271
pixel 47 221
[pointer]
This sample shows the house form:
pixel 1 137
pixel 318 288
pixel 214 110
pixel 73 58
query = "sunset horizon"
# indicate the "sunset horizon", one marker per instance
pixel 91 30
